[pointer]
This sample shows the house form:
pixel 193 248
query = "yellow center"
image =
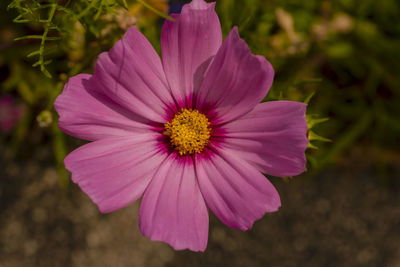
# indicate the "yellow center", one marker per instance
pixel 188 131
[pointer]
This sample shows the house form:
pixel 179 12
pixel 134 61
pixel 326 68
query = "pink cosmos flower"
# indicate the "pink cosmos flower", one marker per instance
pixel 186 134
pixel 10 113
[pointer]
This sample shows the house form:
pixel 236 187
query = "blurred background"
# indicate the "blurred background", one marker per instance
pixel 340 56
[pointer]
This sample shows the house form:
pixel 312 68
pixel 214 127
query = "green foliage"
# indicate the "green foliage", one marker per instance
pixel 54 29
pixel 353 47
pixel 70 35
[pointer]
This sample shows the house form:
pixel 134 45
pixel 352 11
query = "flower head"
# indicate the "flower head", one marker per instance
pixel 187 134
pixel 188 131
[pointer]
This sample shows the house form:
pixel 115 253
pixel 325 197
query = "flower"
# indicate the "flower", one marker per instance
pixel 10 113
pixel 186 134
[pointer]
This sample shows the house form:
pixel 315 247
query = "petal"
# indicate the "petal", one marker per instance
pixel 114 172
pixel 132 75
pixel 272 137
pixel 235 81
pixel 89 115
pixel 173 209
pixel 188 44
pixel 234 190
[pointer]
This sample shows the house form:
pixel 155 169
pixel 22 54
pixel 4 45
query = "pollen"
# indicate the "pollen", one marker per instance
pixel 189 131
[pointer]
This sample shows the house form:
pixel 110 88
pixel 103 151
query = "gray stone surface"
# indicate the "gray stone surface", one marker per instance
pixel 342 217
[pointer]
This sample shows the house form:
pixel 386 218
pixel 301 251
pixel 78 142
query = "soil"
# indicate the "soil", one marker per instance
pixel 342 217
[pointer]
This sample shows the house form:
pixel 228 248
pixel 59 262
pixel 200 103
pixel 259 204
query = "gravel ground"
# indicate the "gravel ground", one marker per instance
pixel 342 217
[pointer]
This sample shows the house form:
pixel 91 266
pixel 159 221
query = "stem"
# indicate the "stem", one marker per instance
pixel 158 12
pixel 42 43
pixel 87 9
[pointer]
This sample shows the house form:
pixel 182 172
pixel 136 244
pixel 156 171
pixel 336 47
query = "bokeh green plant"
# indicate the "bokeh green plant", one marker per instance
pixel 341 56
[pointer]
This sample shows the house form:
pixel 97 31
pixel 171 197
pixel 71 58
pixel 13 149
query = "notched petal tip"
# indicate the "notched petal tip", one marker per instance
pixel 267 67
pixel 265 64
pixel 74 80
pixel 235 30
pixel 245 77
pixel 272 206
pixel 175 246
pixel 235 191
pixel 172 209
pixel 187 44
pixel 272 137
pixel 275 204
pixel 114 172
pixel 200 4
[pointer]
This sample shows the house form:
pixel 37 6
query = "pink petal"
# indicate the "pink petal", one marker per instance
pixel 235 81
pixel 234 190
pixel 87 114
pixel 114 172
pixel 131 74
pixel 188 44
pixel 272 137
pixel 173 209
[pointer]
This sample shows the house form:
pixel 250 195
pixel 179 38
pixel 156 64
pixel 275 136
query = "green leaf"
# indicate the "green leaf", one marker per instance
pixel 28 37
pixel 311 146
pixel 34 53
pixel 308 98
pixel 45 72
pixel 37 63
pixel 312 120
pixel 313 136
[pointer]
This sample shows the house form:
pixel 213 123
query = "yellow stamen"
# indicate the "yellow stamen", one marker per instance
pixel 189 131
